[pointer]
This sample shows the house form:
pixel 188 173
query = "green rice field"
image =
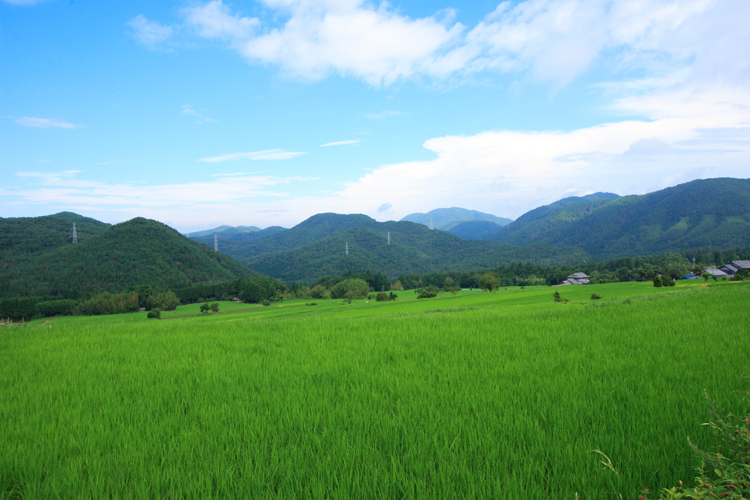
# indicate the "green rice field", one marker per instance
pixel 473 395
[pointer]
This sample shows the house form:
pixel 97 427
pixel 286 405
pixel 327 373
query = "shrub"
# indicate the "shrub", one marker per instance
pixel 214 307
pixel 354 288
pixel 205 308
pixel 556 296
pixel 667 280
pixel 319 292
pixel 595 296
pixel 311 304
pixel 154 314
pixel 657 281
pixel 392 296
pixel 426 294
pixel 166 301
pixel 266 302
pixel 382 297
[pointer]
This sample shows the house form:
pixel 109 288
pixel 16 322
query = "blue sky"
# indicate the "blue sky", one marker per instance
pixel 264 113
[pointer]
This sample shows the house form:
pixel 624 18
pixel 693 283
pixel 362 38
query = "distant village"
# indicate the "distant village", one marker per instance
pixel 725 271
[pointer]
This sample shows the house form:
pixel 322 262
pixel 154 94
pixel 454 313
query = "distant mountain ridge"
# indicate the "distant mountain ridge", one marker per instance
pixel 697 214
pixel 446 218
pixel 413 248
pixel 224 231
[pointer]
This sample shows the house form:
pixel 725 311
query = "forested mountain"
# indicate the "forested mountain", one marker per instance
pixel 447 218
pixel 701 213
pixel 476 230
pixel 413 249
pixel 274 239
pixel 224 231
pixel 136 252
pixel 22 237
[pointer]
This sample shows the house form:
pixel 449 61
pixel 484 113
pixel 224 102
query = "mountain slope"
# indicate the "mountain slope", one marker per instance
pixel 23 237
pixel 224 231
pixel 552 219
pixel 475 230
pixel 413 249
pixel 274 239
pixel 136 252
pixel 446 218
pixel 701 213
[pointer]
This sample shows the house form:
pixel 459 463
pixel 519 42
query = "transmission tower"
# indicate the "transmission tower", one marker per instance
pixel 216 244
pixel 389 237
pixel 347 249
pixel 75 235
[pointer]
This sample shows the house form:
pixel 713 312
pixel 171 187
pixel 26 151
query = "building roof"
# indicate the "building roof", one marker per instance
pixel 729 267
pixel 715 272
pixel 741 264
pixel 580 276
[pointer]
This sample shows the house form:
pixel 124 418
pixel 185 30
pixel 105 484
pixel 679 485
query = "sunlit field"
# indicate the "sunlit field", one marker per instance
pixel 473 395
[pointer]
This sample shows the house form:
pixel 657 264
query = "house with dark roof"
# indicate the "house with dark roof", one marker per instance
pixel 577 279
pixel 715 272
pixel 741 265
pixel 729 269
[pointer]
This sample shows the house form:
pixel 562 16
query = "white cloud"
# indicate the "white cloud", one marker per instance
pixel 550 40
pixel 150 33
pixel 67 188
pixel 270 154
pixel 45 123
pixel 187 109
pixel 340 143
pixel 214 20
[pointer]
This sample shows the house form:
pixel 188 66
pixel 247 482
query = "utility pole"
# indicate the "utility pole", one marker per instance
pixel 75 235
pixel 389 237
pixel 216 243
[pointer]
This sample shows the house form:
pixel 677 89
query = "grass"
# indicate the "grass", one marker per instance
pixel 469 396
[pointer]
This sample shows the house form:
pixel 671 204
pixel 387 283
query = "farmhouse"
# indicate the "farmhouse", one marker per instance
pixel 741 265
pixel 715 272
pixel 729 269
pixel 577 279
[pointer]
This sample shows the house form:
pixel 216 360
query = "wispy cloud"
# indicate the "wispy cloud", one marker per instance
pixel 340 143
pixel 270 154
pixel 150 33
pixel 187 109
pixel 45 123
pixel 68 189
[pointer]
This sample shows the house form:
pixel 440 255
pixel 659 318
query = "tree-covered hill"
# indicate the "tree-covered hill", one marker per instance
pixel 275 239
pixel 413 249
pixel 233 243
pixel 136 252
pixel 475 230
pixel 23 237
pixel 701 213
pixel 446 218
